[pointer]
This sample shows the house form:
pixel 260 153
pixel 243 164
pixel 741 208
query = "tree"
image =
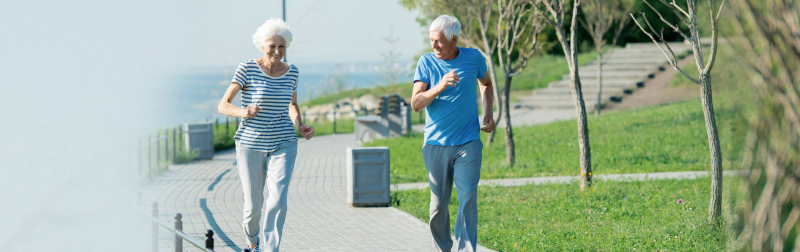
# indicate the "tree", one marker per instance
pixel 768 45
pixel 598 18
pixel 570 47
pixel 392 72
pixel 518 26
pixel 689 17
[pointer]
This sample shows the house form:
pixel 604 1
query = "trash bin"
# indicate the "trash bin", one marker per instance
pixel 368 176
pixel 200 136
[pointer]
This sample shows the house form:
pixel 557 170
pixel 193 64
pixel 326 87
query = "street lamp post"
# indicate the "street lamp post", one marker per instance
pixel 285 56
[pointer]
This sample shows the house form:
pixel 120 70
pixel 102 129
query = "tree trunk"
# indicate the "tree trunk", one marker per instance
pixel 715 206
pixel 599 81
pixel 510 155
pixel 583 129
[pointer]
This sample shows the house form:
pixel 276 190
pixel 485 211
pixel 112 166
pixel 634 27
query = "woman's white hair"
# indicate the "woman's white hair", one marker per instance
pixel 447 24
pixel 272 27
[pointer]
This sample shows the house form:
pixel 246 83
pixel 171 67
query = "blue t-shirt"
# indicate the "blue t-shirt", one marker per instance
pixel 452 118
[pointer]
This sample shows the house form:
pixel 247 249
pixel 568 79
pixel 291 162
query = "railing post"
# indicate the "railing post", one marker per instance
pixel 334 117
pixel 130 159
pixel 158 149
pixel 149 157
pixel 166 147
pixel 227 125
pixel 139 161
pixel 174 145
pixel 210 239
pixel 178 228
pixel 181 137
pixel 154 230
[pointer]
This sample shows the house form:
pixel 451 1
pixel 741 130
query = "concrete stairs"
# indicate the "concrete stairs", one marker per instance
pixel 625 70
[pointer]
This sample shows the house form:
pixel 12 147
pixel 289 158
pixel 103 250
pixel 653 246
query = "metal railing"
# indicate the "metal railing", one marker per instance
pixel 180 236
pixel 153 153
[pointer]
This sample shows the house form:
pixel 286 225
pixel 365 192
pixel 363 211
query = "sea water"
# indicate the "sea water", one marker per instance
pixel 193 95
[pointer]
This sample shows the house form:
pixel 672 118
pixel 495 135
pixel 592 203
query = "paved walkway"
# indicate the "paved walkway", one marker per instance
pixel 209 196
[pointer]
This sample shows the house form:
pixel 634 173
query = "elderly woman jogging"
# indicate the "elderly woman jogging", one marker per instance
pixel 266 143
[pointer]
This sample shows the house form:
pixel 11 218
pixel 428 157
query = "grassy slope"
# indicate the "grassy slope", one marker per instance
pixel 377 91
pixel 542 70
pixel 650 219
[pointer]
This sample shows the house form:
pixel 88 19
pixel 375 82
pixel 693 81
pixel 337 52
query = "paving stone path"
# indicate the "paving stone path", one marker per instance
pixel 209 196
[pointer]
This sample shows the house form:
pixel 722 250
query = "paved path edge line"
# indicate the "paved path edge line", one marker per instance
pixel 566 179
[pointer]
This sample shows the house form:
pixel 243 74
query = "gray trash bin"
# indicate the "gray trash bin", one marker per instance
pixel 368 176
pixel 200 136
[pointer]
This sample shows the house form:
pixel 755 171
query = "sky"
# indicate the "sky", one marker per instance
pixel 81 80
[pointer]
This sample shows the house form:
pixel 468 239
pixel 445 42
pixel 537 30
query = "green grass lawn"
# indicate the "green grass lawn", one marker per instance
pixel 655 139
pixel 614 216
pixel 669 137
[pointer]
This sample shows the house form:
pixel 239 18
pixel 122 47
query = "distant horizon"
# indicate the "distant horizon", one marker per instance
pixel 308 67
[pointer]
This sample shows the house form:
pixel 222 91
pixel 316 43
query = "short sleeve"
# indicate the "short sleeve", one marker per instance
pixel 481 66
pixel 240 76
pixel 422 73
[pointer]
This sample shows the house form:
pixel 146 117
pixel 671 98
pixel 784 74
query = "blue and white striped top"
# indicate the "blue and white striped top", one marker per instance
pixel 272 127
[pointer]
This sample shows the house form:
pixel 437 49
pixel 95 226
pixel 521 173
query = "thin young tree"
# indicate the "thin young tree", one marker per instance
pixel 689 18
pixel 767 43
pixel 481 13
pixel 569 44
pixel 392 72
pixel 598 18
pixel 519 24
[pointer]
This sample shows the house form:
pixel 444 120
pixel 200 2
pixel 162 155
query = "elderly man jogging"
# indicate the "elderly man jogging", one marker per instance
pixel 444 85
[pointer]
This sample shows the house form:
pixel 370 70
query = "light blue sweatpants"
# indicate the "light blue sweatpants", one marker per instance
pixel 448 164
pixel 257 168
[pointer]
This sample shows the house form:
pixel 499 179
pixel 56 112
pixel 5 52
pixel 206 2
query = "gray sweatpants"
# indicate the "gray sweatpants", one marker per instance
pixel 462 165
pixel 275 169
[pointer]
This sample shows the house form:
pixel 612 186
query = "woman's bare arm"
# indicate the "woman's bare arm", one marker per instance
pixel 294 111
pixel 226 108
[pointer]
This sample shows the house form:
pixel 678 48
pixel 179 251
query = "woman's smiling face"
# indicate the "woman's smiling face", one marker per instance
pixel 274 48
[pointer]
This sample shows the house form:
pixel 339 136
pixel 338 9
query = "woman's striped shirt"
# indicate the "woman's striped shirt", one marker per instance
pixel 272 127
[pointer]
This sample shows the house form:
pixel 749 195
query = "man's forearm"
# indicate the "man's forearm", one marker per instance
pixel 487 93
pixel 422 99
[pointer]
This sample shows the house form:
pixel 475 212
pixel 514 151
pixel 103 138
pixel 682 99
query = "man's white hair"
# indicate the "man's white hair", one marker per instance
pixel 447 24
pixel 272 27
